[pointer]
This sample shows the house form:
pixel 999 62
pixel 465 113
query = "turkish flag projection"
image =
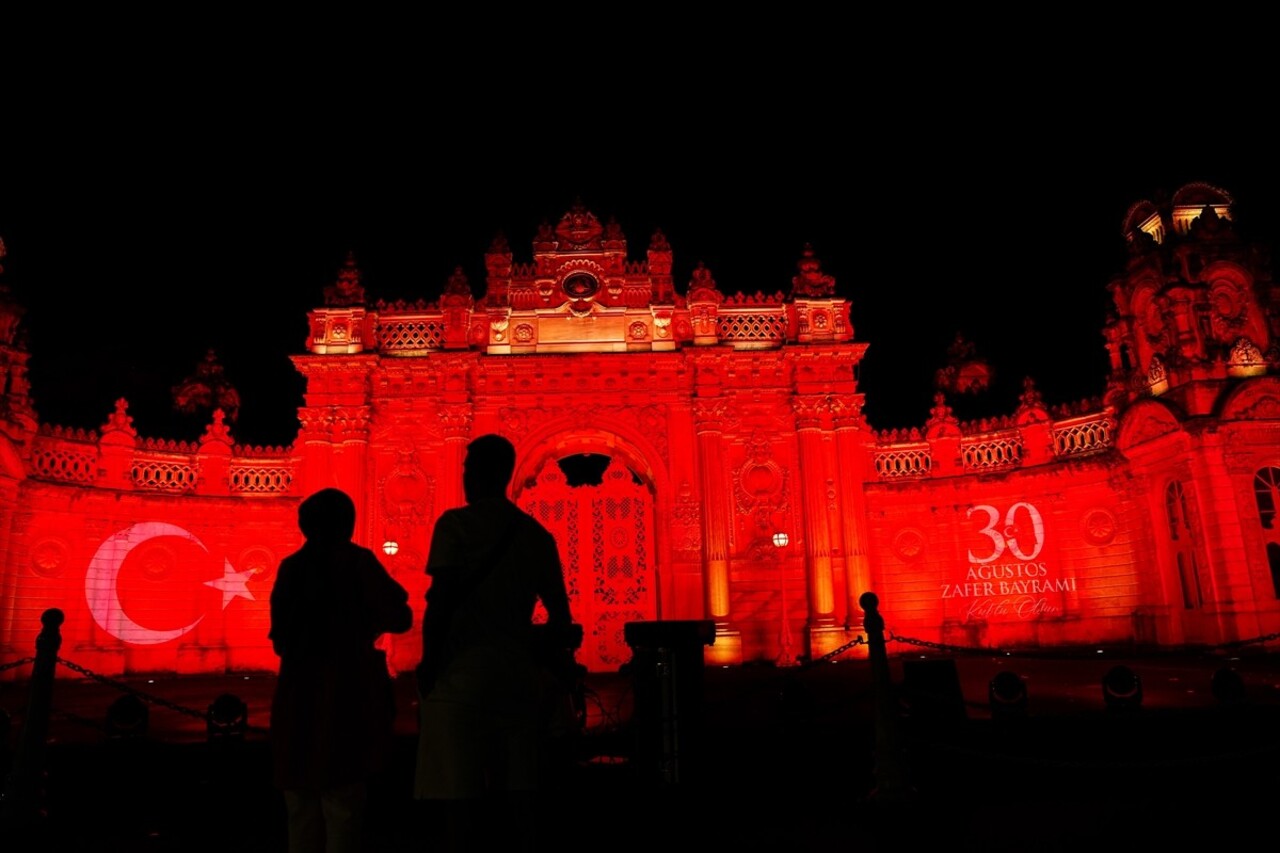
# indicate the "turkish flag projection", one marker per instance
pixel 161 584
pixel 154 582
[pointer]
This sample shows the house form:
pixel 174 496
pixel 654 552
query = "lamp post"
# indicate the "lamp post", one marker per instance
pixel 385 643
pixel 787 655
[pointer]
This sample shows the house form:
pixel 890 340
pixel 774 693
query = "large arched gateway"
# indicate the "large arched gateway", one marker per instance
pixel 703 407
pixel 700 456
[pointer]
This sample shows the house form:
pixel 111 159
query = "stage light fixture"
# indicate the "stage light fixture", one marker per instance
pixel 1007 696
pixel 228 718
pixel 127 718
pixel 1122 689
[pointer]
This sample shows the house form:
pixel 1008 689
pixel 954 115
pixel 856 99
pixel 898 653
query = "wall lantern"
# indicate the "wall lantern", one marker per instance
pixel 781 539
pixel 391 547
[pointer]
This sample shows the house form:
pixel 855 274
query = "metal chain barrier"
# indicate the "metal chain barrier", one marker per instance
pixel 118 685
pixel 1163 651
pixel 831 655
pixel 125 688
pixel 921 740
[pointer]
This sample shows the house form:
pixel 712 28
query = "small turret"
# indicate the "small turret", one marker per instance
pixel 17 415
pixel 1192 304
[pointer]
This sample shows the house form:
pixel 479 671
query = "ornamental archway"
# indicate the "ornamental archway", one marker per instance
pixel 605 531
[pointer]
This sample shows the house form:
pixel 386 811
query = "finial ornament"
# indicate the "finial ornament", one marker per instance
pixel 347 290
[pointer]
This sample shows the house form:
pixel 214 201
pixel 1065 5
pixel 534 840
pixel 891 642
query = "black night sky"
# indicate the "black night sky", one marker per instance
pixel 138 238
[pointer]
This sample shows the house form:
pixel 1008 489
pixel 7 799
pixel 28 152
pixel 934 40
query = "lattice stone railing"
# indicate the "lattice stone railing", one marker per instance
pixel 1072 437
pixel 1084 435
pixel 752 327
pixel 903 461
pixel 410 335
pixel 260 479
pixel 164 474
pixel 992 452
pixel 254 471
pixel 63 461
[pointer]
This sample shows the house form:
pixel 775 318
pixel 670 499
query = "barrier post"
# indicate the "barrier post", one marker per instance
pixel 20 803
pixel 891 778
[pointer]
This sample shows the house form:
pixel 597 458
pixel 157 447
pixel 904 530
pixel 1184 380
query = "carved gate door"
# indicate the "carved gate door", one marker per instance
pixel 606 537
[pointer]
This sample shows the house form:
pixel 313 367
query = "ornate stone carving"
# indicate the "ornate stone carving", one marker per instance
pixel 710 414
pixel 206 391
pixel 908 544
pixel 1266 407
pixel 702 287
pixel 347 290
pixel 49 557
pixel 687 514
pixel 1098 526
pixel 812 411
pixel 498 328
pixel 649 421
pixel 579 229
pixel 1245 353
pixel 455 420
pixel 811 281
pixel 339 422
pixel 120 421
pixel 1145 421
pixel 760 483
pixel 408 493
pixel 259 562
pixel 846 411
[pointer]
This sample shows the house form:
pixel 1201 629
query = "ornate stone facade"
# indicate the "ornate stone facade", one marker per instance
pixel 737 479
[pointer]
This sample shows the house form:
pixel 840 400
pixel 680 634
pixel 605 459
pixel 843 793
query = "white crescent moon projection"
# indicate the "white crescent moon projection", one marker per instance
pixel 104 599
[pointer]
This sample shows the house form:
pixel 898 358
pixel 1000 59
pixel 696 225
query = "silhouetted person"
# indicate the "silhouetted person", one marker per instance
pixel 482 723
pixel 333 709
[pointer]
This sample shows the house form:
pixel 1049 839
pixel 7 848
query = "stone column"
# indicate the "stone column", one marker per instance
pixel 455 418
pixel 350 447
pixel 812 411
pixel 9 584
pixel 709 423
pixel 853 454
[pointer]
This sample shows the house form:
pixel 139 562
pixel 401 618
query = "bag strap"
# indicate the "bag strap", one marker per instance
pixel 474 581
pixel 436 625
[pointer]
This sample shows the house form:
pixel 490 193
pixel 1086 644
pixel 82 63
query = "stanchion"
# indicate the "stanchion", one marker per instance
pixel 893 785
pixel 667 666
pixel 20 803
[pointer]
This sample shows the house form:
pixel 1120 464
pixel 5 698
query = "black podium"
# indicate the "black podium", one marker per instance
pixel 666 670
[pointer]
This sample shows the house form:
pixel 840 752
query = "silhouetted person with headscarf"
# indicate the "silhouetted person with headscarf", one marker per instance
pixel 333 709
pixel 483 729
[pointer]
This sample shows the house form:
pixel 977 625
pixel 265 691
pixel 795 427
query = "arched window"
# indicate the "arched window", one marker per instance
pixel 1183 543
pixel 1273 559
pixel 1266 484
pixel 1266 488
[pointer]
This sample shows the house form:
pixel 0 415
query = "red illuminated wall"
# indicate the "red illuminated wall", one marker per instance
pixel 725 420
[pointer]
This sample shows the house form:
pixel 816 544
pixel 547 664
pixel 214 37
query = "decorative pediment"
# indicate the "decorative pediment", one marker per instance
pixel 1145 421
pixel 1255 400
pixel 581 293
pixel 579 230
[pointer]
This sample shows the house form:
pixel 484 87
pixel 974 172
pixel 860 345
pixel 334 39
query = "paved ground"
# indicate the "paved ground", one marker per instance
pixel 745 758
